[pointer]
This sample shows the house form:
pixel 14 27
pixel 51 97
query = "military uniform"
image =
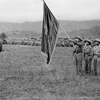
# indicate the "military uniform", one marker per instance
pixel 1 42
pixel 87 54
pixel 78 54
pixel 96 53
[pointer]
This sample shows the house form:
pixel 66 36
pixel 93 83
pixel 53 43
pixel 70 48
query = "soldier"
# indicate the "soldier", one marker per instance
pixel 77 52
pixel 1 42
pixel 87 54
pixel 96 53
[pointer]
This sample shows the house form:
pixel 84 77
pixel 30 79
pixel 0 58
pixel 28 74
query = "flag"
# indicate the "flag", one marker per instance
pixel 49 32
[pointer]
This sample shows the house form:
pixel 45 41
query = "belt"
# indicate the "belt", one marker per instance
pixel 78 52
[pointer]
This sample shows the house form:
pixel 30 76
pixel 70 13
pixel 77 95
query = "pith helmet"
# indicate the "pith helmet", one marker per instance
pixel 79 38
pixel 87 40
pixel 97 40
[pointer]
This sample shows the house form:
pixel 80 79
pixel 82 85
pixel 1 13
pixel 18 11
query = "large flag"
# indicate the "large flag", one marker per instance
pixel 49 32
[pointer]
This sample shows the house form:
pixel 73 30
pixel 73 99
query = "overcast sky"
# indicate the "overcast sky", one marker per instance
pixel 32 10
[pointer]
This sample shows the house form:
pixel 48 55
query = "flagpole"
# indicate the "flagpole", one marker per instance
pixel 46 65
pixel 57 39
pixel 64 31
pixel 54 47
pixel 61 26
pixel 43 53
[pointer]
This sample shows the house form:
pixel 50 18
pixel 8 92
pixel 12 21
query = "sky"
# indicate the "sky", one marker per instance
pixel 32 10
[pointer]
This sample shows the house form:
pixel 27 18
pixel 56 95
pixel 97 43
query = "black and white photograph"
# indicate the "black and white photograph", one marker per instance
pixel 49 49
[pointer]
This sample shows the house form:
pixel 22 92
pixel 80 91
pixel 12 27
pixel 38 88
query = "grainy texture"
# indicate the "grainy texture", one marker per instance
pixel 23 76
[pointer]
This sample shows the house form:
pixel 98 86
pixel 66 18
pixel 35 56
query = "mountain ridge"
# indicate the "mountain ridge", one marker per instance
pixel 93 32
pixel 36 27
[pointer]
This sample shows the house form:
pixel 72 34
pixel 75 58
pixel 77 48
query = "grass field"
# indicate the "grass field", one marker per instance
pixel 23 76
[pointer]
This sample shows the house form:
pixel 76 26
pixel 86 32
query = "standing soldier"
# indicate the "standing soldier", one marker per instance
pixel 77 52
pixel 1 42
pixel 96 53
pixel 87 54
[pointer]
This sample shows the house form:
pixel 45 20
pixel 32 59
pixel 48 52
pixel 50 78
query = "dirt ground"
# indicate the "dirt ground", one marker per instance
pixel 24 76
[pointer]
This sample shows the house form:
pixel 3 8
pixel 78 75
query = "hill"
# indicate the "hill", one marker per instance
pixel 22 34
pixel 35 28
pixel 93 32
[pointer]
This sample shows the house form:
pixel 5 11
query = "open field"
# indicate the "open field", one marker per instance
pixel 23 76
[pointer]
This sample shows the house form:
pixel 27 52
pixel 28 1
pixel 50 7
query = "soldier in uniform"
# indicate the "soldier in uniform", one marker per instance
pixel 96 53
pixel 77 52
pixel 87 54
pixel 1 42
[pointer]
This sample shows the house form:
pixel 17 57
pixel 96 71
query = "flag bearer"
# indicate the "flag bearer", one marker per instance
pixel 78 46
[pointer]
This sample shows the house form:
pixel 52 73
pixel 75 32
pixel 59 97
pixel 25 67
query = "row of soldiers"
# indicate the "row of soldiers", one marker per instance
pixel 86 53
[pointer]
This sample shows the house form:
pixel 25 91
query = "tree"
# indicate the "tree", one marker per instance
pixel 3 36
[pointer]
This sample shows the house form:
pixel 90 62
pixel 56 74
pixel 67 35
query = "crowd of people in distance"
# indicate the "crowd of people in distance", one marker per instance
pixel 86 53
